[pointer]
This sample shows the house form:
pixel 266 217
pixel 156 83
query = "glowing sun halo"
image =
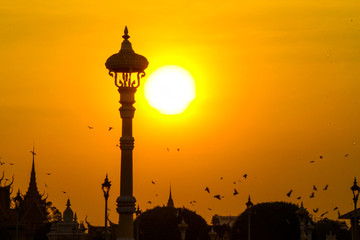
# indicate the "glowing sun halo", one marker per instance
pixel 170 89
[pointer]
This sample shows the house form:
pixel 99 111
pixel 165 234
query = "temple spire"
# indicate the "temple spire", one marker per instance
pixel 32 185
pixel 170 202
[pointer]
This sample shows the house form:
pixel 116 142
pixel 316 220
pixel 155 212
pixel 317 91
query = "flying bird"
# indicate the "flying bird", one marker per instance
pixel 46 185
pixel 110 128
pixel 207 189
pixel 153 182
pixel 312 195
pixel 217 196
pixel 245 176
pixel 235 192
pixel 336 208
pixel 234 182
pixel 321 156
pixel 312 161
pixel 289 193
pixel 11 163
pixel 326 187
pixel 221 178
pixel 323 214
pixel 64 192
pixel 299 198
pixel 48 173
pixel 149 202
pixel 90 127
pixel 210 209
pixel 316 210
pixel 178 149
pixel 346 155
pixel 314 188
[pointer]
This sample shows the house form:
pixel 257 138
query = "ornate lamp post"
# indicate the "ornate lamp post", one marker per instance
pixel 356 190
pixel 249 206
pixel 122 66
pixel 17 200
pixel 106 188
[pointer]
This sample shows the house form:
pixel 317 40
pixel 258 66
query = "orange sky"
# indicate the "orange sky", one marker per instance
pixel 277 86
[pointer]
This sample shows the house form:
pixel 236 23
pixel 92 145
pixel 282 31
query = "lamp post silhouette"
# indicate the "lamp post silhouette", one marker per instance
pixel 356 190
pixel 137 212
pixel 17 200
pixel 122 67
pixel 106 188
pixel 249 206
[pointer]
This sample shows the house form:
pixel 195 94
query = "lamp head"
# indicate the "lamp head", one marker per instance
pixel 126 62
pixel 106 186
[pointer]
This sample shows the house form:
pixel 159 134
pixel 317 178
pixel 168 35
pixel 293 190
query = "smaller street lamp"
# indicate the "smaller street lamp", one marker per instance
pixel 356 190
pixel 106 188
pixel 17 200
pixel 137 212
pixel 249 205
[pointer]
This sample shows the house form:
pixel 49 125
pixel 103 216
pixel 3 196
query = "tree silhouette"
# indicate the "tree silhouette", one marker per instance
pixel 161 223
pixel 270 221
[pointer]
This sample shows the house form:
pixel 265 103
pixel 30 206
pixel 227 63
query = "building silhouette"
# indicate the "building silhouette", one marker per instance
pixel 31 215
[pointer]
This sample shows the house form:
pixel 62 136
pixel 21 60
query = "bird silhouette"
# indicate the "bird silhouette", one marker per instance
pixel 234 182
pixel 346 155
pixel 217 196
pixel 48 173
pixel 336 208
pixel 2 163
pixel 323 214
pixel 210 209
pixel 11 163
pixel 299 198
pixel 235 192
pixel 289 193
pixel 178 149
pixel 46 185
pixel 245 175
pixel 110 128
pixel 149 202
pixel 326 187
pixel 207 189
pixel 64 192
pixel 90 127
pixel 221 178
pixel 321 156
pixel 312 161
pixel 314 188
pixel 316 210
pixel 153 182
pixel 312 195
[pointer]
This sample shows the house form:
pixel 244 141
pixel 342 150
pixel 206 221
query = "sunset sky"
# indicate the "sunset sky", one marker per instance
pixel 277 86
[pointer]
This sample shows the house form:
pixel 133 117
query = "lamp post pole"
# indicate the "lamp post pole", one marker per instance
pixel 17 199
pixel 106 188
pixel 356 190
pixel 249 206
pixel 122 66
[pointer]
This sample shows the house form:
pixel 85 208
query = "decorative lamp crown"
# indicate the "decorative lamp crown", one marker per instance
pixel 126 61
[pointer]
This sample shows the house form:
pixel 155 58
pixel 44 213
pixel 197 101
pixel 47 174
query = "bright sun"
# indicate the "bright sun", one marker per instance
pixel 170 89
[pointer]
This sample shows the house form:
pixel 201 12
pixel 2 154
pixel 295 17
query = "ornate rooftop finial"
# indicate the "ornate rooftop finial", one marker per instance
pixel 126 36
